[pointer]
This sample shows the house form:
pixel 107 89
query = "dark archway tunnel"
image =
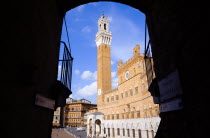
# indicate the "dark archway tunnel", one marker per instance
pixel 31 33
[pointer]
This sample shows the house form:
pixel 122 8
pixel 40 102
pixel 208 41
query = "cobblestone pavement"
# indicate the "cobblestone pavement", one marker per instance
pixel 61 133
pixel 78 134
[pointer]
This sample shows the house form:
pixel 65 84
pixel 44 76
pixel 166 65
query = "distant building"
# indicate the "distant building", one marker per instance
pixel 71 100
pixel 56 117
pixel 75 110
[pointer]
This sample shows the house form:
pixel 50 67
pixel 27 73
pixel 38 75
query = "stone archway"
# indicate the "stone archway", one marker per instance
pixel 98 127
pixel 139 133
pixel 152 133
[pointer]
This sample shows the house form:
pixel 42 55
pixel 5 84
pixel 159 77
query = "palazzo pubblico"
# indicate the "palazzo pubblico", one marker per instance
pixel 129 109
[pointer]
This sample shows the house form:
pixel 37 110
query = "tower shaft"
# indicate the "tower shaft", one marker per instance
pixel 104 67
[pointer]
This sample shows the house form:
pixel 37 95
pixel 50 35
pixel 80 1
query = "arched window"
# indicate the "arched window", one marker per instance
pixel 136 90
pixel 150 111
pixel 126 94
pixel 118 117
pixel 133 133
pixel 131 92
pixel 118 131
pixel 128 132
pixel 138 114
pixel 113 132
pixel 117 97
pixel 132 115
pixel 147 133
pixel 112 98
pixel 123 116
pixel 153 135
pixel 109 132
pixel 139 131
pixel 122 95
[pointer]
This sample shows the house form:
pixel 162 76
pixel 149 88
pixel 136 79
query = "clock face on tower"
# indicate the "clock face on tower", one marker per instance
pixel 99 91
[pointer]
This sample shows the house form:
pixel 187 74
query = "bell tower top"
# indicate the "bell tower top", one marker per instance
pixel 103 24
pixel 103 35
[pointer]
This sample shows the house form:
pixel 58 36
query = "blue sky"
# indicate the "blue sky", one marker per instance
pixel 127 26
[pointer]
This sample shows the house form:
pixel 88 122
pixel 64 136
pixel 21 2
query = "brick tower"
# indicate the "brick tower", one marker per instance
pixel 103 41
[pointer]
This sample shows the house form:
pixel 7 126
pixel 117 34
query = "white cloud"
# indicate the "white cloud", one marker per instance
pixel 77 19
pixel 88 75
pixel 86 29
pixel 113 74
pixel 93 3
pixel 112 62
pixel 80 8
pixel 88 90
pixel 77 72
pixel 115 83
